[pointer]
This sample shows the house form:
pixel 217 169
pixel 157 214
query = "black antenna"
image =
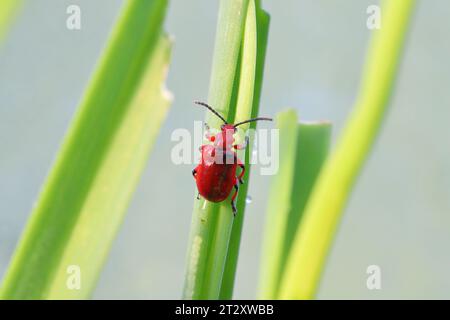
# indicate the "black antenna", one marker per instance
pixel 250 120
pixel 211 109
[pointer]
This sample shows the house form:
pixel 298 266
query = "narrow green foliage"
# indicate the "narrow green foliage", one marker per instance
pixel 86 194
pixel 313 142
pixel 303 148
pixel 244 107
pixel 226 291
pixel 239 59
pixel 323 211
pixel 279 203
pixel 230 28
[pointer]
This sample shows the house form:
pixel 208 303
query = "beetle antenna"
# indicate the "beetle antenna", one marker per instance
pixel 254 119
pixel 211 109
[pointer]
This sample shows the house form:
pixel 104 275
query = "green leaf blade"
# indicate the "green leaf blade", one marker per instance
pixel 226 291
pixel 244 106
pixel 279 204
pixel 324 208
pixel 230 28
pixel 85 196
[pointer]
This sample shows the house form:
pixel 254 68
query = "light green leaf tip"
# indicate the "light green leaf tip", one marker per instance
pixel 303 147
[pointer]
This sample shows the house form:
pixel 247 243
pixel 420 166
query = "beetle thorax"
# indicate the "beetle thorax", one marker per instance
pixel 225 139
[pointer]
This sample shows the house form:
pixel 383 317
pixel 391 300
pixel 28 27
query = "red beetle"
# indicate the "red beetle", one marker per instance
pixel 216 174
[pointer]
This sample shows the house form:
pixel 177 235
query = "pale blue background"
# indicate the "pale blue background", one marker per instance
pixel 398 216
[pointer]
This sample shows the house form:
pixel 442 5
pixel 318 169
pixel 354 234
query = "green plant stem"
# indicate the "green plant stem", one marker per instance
pixel 230 29
pixel 85 196
pixel 323 211
pixel 226 291
pixel 303 149
pixel 244 107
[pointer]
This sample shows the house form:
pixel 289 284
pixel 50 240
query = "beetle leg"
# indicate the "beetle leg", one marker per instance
pixel 194 173
pixel 243 145
pixel 208 135
pixel 241 175
pixel 233 199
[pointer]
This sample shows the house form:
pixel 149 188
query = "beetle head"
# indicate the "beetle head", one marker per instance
pixel 226 127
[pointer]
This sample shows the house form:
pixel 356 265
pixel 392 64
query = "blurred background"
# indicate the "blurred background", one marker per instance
pixel 399 214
